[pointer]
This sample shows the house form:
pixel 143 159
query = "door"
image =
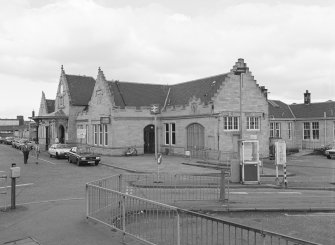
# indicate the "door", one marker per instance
pixel 195 137
pixel 149 139
pixel 47 138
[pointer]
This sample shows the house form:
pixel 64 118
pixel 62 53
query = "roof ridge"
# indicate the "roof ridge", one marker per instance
pixel 113 81
pixel 203 78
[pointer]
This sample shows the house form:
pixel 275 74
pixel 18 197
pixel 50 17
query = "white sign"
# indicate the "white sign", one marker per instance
pixel 280 148
pixel 81 133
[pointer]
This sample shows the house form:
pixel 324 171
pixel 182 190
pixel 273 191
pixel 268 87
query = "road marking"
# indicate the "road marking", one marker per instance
pixel 53 200
pixel 289 192
pixel 239 192
pixel 312 214
pixel 21 185
pixel 47 161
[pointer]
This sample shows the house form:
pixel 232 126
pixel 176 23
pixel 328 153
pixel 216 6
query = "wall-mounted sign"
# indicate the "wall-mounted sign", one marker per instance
pixel 81 133
pixel 105 120
pixel 154 109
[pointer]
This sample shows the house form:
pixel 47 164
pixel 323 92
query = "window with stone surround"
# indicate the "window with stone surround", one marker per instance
pixel 105 129
pixel 311 130
pixel 170 133
pixel 275 130
pixel 253 123
pixel 95 134
pixel 231 123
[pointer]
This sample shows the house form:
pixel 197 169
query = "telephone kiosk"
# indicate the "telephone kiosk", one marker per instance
pixel 249 161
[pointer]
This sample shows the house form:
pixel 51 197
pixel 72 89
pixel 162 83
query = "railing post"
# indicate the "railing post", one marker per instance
pixel 120 183
pixel 123 200
pixel 222 186
pixel 87 201
pixel 178 229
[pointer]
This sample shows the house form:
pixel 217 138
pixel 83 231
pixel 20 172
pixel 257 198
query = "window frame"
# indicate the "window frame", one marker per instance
pixel 231 123
pixel 253 123
pixel 170 133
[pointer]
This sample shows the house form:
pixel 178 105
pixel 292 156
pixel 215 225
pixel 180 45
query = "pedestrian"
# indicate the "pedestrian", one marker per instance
pixel 56 140
pixel 25 150
pixel 37 151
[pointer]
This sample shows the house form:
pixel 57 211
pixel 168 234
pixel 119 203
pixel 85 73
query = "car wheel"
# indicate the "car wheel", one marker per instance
pixel 50 155
pixel 329 157
pixel 96 163
pixel 57 157
pixel 78 162
pixel 69 160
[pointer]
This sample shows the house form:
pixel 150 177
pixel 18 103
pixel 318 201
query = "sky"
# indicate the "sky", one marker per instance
pixel 289 46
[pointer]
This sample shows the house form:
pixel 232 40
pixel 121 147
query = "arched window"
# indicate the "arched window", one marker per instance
pixel 195 136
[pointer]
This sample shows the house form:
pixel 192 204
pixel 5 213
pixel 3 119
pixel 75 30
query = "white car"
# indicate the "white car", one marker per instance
pixel 59 150
pixel 330 153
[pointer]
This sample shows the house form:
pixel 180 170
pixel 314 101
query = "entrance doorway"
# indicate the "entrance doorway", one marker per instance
pixel 61 134
pixel 149 139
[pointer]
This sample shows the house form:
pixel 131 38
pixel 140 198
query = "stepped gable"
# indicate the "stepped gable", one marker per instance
pixel 80 89
pixel 278 109
pixel 314 109
pixel 203 89
pixel 137 94
pixel 50 106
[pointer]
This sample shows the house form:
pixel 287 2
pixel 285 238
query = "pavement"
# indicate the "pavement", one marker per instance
pixel 63 221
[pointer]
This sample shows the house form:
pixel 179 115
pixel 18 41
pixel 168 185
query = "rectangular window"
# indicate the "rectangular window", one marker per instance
pixel 289 130
pixel 170 133
pixel 275 130
pixel 167 134
pixel 173 133
pixel 253 123
pixel 315 130
pixel 105 134
pixel 100 134
pixel 95 134
pixel 86 138
pixel 231 123
pixel 307 131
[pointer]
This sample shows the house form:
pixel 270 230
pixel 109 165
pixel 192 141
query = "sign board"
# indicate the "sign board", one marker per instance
pixel 159 158
pixel 280 149
pixel 154 109
pixel 81 133
pixel 105 120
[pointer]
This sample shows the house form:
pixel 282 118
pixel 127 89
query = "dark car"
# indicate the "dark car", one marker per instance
pixel 83 155
pixel 8 140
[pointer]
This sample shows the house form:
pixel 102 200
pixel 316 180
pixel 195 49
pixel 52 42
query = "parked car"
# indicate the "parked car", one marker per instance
pixel 8 140
pixel 21 143
pixel 83 155
pixel 15 142
pixel 59 150
pixel 330 153
pixel 1 140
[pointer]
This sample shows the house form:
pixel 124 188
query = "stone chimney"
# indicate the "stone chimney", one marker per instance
pixel 307 98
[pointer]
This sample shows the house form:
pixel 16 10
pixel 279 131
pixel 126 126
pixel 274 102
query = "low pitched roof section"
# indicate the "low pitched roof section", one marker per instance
pixel 314 110
pixel 279 110
pixel 80 88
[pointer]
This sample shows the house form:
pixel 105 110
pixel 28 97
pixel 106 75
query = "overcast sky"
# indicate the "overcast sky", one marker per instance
pixel 289 46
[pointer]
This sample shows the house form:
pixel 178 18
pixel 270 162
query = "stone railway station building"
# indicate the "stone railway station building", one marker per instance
pixel 211 113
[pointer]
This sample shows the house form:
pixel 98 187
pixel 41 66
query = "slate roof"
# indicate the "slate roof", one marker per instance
pixel 80 89
pixel 137 94
pixel 314 109
pixel 50 105
pixel 141 94
pixel 278 109
pixel 203 88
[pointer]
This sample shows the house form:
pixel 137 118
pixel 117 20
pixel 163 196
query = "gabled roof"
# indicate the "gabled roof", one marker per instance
pixel 203 88
pixel 141 94
pixel 137 94
pixel 80 89
pixel 278 109
pixel 314 109
pixel 50 105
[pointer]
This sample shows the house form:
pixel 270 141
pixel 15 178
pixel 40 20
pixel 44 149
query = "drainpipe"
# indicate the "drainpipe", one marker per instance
pixel 325 116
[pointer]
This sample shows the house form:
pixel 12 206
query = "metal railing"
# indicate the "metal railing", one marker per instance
pixel 158 223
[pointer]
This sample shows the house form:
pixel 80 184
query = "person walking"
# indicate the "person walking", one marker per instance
pixel 25 150
pixel 56 140
pixel 37 151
